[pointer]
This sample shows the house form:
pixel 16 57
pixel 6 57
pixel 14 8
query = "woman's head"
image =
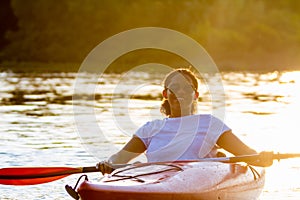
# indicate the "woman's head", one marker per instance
pixel 180 90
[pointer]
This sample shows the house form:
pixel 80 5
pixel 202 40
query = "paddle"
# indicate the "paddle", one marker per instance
pixel 38 175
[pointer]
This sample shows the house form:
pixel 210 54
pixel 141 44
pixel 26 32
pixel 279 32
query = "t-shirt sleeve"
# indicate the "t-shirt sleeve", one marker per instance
pixel 218 126
pixel 215 129
pixel 143 133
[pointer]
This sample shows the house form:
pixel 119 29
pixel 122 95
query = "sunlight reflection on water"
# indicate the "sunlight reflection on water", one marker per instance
pixel 37 122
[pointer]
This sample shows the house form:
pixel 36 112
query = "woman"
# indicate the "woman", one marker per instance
pixel 183 134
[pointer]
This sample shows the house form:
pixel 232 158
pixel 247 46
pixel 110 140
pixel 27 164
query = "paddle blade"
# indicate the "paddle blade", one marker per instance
pixel 32 181
pixel 34 175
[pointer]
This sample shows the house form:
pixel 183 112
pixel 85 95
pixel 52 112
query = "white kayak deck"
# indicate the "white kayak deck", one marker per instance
pixel 191 180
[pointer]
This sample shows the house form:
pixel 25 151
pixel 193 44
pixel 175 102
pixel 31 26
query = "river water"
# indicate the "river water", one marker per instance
pixel 38 127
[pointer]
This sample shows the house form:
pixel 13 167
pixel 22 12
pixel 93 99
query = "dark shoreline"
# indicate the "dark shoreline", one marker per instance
pixel 53 67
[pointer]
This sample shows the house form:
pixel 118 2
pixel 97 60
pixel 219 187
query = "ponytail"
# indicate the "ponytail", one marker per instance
pixel 165 107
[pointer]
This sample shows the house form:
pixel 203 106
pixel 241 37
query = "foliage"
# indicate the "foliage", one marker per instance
pixel 8 21
pixel 244 33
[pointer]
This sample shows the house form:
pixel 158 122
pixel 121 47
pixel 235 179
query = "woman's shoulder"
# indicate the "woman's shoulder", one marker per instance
pixel 153 124
pixel 208 116
pixel 150 128
pixel 204 116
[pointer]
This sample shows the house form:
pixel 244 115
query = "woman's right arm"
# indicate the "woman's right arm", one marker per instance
pixel 130 151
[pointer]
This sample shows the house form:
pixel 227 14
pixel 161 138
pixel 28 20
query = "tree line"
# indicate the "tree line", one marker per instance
pixel 238 34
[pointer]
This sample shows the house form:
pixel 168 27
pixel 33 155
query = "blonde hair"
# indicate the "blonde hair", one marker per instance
pixel 165 106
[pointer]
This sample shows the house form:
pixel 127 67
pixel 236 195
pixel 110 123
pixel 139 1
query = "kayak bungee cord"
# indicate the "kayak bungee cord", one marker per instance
pixel 124 177
pixel 255 173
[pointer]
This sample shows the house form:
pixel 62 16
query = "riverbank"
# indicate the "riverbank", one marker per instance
pixel 52 67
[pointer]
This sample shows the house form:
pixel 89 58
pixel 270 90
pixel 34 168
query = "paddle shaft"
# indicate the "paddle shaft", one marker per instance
pixel 235 159
pixel 250 158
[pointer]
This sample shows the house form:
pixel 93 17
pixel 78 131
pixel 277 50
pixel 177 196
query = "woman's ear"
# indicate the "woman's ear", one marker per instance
pixel 196 95
pixel 165 93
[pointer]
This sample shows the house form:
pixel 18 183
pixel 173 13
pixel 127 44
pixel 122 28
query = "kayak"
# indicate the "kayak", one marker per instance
pixel 177 181
pixel 181 180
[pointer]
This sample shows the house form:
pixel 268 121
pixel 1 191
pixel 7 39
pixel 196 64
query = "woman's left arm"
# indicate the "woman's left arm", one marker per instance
pixel 231 143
